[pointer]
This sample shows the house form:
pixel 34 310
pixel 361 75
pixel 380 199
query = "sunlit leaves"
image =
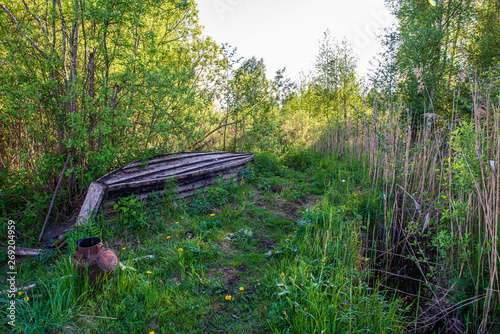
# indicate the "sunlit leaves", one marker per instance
pixel 334 84
pixel 139 83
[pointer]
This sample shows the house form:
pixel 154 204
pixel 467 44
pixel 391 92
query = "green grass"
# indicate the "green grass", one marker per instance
pixel 282 245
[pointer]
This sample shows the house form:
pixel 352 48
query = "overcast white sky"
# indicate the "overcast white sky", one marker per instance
pixel 287 33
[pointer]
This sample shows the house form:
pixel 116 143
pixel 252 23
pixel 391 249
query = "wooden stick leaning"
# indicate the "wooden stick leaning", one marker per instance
pixel 54 197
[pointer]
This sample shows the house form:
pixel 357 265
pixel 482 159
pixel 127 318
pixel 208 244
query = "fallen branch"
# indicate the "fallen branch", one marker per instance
pixel 26 251
pixel 140 258
pixel 95 316
pixel 54 197
pixel 404 292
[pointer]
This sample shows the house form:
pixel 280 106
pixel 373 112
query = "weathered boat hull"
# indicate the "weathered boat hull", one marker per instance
pixel 191 171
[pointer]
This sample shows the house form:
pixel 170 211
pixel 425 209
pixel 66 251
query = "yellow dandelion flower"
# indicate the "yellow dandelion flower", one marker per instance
pixel 228 297
pixel 182 217
pixel 26 299
pixel 242 288
pixel 180 250
pixel 168 237
pixel 124 248
pixel 282 274
pixel 212 215
pixel 305 308
pixel 284 313
pixel 176 222
pixel 148 272
pixel 152 332
pixel 20 293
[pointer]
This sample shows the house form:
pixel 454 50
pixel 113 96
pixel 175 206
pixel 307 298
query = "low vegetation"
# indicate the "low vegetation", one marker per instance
pixel 276 253
pixel 372 205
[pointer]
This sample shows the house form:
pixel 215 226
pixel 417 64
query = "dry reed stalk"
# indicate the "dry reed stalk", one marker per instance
pixel 429 167
pixel 372 145
pixel 490 207
pixel 406 172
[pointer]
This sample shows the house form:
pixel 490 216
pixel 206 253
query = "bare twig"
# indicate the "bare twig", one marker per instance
pixel 95 316
pixel 404 292
pixel 54 197
pixel 13 19
pixel 445 312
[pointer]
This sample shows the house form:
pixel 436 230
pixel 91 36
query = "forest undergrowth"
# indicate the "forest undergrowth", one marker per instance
pixel 282 251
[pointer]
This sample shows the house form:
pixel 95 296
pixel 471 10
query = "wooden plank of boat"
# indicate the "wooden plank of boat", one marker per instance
pixel 93 200
pixel 186 187
pixel 191 170
pixel 157 168
pixel 139 182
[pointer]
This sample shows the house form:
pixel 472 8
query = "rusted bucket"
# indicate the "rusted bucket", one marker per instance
pixel 95 259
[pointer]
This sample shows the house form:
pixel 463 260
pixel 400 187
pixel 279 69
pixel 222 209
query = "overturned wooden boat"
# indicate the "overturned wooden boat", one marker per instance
pixel 190 170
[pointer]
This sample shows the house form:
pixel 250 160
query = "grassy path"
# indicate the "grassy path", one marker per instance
pixel 272 255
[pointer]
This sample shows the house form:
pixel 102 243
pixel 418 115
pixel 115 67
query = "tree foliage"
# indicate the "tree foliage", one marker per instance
pixel 106 82
pixel 102 81
pixel 335 83
pixel 485 45
pixel 427 52
pixel 433 51
pixel 95 75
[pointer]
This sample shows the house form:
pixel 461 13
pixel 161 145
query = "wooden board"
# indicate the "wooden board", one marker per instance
pixel 190 170
pixel 93 200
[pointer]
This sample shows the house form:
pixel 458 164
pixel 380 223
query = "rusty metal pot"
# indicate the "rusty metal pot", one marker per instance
pixel 93 259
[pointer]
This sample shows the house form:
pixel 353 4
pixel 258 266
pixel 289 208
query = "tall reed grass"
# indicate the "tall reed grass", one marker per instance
pixel 441 196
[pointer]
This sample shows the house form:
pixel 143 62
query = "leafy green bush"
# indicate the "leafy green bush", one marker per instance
pixel 221 193
pixel 200 205
pixel 302 160
pixel 268 183
pixel 131 213
pixel 247 174
pixel 292 194
pixel 267 165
